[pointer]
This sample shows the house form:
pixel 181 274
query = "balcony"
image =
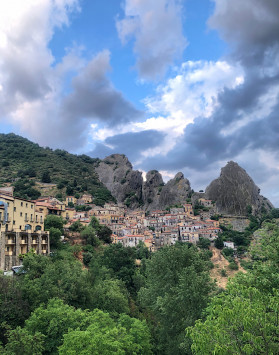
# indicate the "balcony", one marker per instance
pixel 26 219
pixel 10 241
pixel 44 241
pixel 34 241
pixel 23 241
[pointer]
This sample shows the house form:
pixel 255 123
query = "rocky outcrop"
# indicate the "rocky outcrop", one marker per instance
pixel 175 192
pixel 151 190
pixel 157 195
pixel 127 186
pixel 124 183
pixel 234 192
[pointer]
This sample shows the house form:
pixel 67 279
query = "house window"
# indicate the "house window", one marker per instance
pixel 14 209
pixel 31 206
pixel 26 204
pixel 13 222
pixel 20 214
pixel 8 204
pixel 21 204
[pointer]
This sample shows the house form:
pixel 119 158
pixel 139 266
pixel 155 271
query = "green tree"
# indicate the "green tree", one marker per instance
pixel 203 243
pixel 20 341
pixel 55 237
pixel 89 235
pixel 121 262
pixel 110 296
pixel 77 226
pixel 104 233
pixel 14 308
pixel 219 242
pixel 52 221
pixel 241 321
pixel 176 292
pixel 64 278
pixel 106 336
pixel 46 177
pixel 54 320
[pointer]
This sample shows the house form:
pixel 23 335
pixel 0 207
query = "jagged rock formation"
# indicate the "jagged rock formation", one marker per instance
pixel 151 189
pixel 234 191
pixel 128 187
pixel 125 184
pixel 176 191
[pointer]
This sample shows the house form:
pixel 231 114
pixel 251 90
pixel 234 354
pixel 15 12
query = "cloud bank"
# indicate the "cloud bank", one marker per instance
pixel 33 88
pixel 156 26
pixel 243 121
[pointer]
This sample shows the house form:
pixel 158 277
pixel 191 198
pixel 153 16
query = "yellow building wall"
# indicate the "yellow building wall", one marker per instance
pixel 20 214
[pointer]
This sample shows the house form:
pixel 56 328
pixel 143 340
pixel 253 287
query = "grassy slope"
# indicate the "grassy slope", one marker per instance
pixel 19 156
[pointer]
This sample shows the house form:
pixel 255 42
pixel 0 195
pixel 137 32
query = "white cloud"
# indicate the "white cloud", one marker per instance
pixel 26 28
pixel 157 28
pixel 194 90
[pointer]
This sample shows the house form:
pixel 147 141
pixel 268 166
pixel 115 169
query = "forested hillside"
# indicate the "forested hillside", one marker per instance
pixel 26 165
pixel 129 301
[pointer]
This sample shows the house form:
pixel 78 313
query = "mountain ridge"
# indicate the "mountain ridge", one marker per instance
pixel 22 164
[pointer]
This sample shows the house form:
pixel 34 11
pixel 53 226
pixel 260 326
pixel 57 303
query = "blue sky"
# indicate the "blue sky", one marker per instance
pixel 176 85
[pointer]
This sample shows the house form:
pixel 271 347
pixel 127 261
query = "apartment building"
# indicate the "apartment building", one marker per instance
pixel 21 230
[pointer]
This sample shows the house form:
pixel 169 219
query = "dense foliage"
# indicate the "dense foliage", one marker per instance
pixel 244 318
pixel 26 165
pixel 123 302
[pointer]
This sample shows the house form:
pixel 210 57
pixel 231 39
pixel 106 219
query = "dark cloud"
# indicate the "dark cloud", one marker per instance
pixel 250 27
pixel 247 116
pixel 94 96
pixel 131 144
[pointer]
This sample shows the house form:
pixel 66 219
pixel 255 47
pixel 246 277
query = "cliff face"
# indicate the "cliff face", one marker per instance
pixel 176 191
pixel 127 185
pixel 234 191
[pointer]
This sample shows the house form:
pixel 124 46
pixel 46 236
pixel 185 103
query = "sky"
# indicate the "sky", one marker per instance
pixel 176 85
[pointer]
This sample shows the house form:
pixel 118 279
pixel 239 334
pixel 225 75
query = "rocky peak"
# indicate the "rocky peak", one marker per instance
pixel 118 159
pixel 125 184
pixel 234 191
pixel 176 191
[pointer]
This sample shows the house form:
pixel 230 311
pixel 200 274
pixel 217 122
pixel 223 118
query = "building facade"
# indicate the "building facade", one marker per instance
pixel 21 230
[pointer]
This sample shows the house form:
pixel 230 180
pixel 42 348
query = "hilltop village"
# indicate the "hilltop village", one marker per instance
pixel 22 223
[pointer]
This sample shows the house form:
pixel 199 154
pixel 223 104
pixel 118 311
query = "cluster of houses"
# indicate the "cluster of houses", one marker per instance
pixel 22 224
pixel 155 229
